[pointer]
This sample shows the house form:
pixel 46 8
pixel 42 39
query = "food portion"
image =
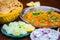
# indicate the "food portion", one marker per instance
pixel 7 6
pixel 18 28
pixel 31 4
pixel 45 34
pixel 42 18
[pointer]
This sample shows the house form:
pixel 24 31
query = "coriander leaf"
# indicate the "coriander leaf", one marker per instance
pixel 42 21
pixel 49 11
pixel 36 13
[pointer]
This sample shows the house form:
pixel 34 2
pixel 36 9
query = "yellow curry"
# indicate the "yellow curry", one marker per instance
pixel 43 18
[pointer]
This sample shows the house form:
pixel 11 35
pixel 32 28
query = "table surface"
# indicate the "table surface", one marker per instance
pixel 52 3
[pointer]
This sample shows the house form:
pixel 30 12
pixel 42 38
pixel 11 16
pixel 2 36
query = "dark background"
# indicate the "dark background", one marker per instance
pixel 52 3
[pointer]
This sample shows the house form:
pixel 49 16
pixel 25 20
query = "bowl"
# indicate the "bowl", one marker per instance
pixel 45 33
pixel 3 30
pixel 44 8
pixel 13 36
pixel 11 16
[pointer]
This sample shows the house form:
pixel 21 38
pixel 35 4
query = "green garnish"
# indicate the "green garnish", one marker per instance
pixel 49 11
pixel 53 19
pixel 37 13
pixel 41 13
pixel 42 21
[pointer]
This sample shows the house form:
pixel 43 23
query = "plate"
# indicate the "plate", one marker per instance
pixel 44 8
pixel 13 36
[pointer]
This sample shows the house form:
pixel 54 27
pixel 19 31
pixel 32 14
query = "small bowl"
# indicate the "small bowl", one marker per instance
pixel 13 36
pixel 38 34
pixel 44 8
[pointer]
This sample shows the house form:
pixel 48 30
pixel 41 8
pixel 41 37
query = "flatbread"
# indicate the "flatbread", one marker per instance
pixel 8 5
